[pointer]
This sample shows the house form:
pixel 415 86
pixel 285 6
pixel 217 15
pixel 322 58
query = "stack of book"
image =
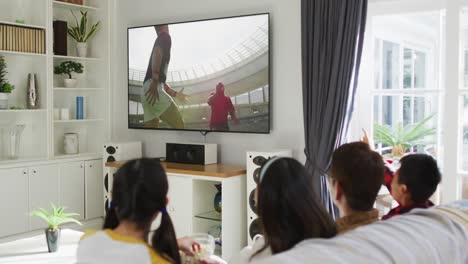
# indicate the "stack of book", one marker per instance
pixel 22 39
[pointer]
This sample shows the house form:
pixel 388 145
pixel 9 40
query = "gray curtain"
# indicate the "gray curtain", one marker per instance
pixel 332 40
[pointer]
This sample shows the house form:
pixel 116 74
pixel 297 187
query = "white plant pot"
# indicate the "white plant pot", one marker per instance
pixel 70 83
pixel 82 49
pixel 3 101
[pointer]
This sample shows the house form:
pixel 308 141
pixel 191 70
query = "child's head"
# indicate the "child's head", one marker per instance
pixel 288 207
pixel 416 179
pixel 139 194
pixel 357 174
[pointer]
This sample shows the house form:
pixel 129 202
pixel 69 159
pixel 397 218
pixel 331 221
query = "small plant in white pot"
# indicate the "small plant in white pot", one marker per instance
pixel 81 32
pixel 67 68
pixel 5 87
pixel 54 219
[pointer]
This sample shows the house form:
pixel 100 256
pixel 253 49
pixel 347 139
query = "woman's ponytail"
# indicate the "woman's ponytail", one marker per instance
pixel 111 221
pixel 164 240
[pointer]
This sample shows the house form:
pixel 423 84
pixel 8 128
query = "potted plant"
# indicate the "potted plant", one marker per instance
pixel 402 137
pixel 5 87
pixel 54 220
pixel 81 32
pixel 67 68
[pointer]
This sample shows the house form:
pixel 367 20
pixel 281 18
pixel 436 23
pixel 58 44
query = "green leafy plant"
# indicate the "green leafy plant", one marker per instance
pixel 402 137
pixel 5 86
pixel 56 217
pixel 68 67
pixel 80 31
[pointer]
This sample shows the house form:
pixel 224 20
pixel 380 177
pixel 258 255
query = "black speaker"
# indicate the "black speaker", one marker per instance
pixel 201 154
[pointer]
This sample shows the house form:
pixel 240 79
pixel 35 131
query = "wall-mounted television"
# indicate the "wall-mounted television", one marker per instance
pixel 207 75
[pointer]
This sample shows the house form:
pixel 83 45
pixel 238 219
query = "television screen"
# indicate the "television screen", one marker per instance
pixel 210 75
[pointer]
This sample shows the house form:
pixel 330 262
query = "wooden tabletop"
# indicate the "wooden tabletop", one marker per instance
pixel 213 170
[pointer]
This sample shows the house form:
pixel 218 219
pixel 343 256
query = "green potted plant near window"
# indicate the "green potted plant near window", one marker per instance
pixel 81 32
pixel 402 137
pixel 5 87
pixel 54 220
pixel 67 68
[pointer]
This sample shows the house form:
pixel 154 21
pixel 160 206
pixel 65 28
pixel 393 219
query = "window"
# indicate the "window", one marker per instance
pixel 401 97
pixel 256 96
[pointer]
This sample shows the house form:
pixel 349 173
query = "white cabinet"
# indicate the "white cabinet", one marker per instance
pixel 180 204
pixel 14 201
pixel 43 190
pixel 77 185
pixel 94 188
pixel 72 188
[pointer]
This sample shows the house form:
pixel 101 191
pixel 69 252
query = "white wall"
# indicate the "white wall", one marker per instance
pixel 287 119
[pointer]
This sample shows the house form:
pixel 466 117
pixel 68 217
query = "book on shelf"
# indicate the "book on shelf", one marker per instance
pixel 22 39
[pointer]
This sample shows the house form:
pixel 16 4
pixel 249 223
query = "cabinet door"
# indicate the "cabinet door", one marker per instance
pixel 43 190
pixel 180 204
pixel 72 188
pixel 94 183
pixel 14 201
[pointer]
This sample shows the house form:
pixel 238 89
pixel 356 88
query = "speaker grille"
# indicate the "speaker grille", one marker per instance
pixel 259 160
pixel 106 182
pixel 110 159
pixel 252 202
pixel 111 150
pixel 254 228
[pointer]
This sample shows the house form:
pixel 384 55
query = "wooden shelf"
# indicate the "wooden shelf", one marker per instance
pixel 76 58
pixel 77 89
pixel 23 111
pixel 6 52
pixel 76 121
pixel 21 25
pixel 59 4
pixel 212 170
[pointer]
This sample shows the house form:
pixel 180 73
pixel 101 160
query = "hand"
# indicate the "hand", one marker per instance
pixel 365 138
pixel 152 94
pixel 183 98
pixel 188 246
pixel 213 260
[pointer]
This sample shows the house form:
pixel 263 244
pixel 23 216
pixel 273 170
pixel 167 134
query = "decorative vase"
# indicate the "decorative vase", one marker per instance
pixel 3 101
pixel 70 83
pixel 217 199
pixel 82 49
pixel 53 239
pixel 32 92
pixel 13 140
pixel 71 143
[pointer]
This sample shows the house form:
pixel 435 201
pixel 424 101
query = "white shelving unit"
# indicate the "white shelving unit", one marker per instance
pixel 42 138
pixel 58 4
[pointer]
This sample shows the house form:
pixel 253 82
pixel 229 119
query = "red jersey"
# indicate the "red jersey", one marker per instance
pixel 221 105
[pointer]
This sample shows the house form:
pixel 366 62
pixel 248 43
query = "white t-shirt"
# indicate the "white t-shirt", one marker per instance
pixel 108 247
pixel 246 253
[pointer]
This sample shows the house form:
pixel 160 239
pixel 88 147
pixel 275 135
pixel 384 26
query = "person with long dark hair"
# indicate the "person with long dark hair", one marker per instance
pixel 139 195
pixel 288 209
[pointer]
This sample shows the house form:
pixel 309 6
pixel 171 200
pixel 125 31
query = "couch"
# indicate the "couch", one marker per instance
pixel 423 236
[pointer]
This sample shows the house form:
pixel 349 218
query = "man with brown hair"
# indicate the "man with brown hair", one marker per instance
pixel 356 176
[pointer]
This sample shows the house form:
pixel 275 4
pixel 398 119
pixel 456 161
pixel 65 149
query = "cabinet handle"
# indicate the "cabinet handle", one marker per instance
pixel 91 165
pixel 34 171
pixel 24 172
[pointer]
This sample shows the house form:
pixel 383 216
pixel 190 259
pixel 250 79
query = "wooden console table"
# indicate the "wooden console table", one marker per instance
pixel 191 201
pixel 212 170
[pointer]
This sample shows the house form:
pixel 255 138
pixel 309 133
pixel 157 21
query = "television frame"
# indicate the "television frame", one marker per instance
pixel 204 132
